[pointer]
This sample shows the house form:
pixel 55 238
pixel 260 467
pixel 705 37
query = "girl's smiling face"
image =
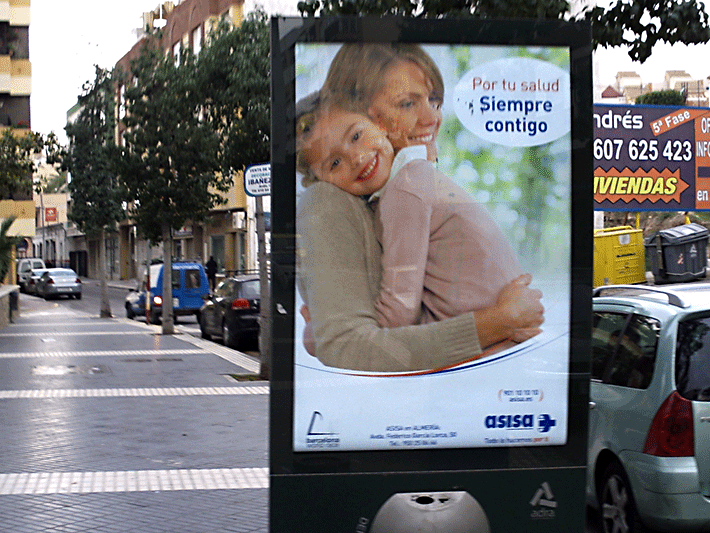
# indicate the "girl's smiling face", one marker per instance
pixel 407 107
pixel 351 152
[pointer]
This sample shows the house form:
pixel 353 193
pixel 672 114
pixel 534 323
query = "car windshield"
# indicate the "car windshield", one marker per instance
pixel 250 290
pixel 693 359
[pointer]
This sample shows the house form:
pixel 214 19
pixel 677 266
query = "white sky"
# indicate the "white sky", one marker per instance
pixel 68 37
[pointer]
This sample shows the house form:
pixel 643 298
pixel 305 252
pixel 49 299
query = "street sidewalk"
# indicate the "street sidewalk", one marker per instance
pixel 109 426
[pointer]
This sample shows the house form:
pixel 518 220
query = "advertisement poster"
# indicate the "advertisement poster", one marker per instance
pixel 467 150
pixel 651 158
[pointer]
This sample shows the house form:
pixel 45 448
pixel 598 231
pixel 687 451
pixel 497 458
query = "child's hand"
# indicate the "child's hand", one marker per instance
pixel 308 341
pixel 305 313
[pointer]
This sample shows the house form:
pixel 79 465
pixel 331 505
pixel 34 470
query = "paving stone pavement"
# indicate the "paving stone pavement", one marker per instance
pixel 108 426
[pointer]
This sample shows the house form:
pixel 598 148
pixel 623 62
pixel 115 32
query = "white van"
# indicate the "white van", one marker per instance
pixel 24 267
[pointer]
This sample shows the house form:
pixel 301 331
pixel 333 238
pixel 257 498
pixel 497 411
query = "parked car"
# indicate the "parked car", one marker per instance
pixel 232 312
pixel 33 279
pixel 135 300
pixel 189 285
pixel 24 266
pixel 56 282
pixel 649 425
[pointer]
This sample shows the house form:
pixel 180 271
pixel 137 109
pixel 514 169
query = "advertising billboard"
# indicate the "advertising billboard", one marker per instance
pixel 504 120
pixel 651 158
pixel 438 197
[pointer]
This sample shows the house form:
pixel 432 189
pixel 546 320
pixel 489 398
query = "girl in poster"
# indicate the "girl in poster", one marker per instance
pixel 401 87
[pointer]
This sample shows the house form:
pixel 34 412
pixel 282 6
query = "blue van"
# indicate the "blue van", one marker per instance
pixel 190 285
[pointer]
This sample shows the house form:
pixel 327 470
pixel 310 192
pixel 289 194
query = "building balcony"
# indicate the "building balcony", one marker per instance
pixel 15 76
pixel 16 12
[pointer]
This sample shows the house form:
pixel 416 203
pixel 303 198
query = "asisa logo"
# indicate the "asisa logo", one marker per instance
pixel 510 421
pixel 544 422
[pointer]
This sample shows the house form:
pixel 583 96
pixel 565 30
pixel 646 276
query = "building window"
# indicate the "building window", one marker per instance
pixel 176 53
pixel 197 40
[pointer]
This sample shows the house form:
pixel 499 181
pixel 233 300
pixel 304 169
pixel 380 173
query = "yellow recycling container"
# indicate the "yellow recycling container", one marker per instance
pixel 619 256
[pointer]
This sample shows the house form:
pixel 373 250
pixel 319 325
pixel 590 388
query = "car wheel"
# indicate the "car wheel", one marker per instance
pixel 229 339
pixel 129 312
pixel 78 296
pixel 618 512
pixel 203 329
pixel 154 318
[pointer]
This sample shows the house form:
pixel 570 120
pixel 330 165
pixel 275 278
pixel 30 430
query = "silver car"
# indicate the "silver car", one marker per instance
pixel 649 418
pixel 33 280
pixel 56 282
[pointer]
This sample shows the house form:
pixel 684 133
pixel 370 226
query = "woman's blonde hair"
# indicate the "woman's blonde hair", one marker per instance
pixel 358 70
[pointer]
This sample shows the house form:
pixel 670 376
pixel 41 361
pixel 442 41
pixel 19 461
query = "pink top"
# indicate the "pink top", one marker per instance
pixel 443 254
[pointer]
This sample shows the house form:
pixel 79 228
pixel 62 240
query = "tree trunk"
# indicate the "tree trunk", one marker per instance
pixel 105 311
pixel 168 322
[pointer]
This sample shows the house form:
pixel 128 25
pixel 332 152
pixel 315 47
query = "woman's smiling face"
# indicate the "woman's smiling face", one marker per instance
pixel 408 108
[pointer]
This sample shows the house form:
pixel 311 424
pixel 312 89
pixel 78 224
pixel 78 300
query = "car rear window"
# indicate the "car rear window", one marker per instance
pixel 251 289
pixel 192 278
pixel 624 349
pixel 692 365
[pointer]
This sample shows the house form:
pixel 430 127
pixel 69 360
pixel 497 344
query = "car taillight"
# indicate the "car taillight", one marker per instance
pixel 50 281
pixel 157 301
pixel 78 280
pixel 240 303
pixel 671 433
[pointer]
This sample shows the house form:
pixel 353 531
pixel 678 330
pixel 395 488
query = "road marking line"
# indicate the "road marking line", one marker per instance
pixel 99 353
pixel 70 333
pixel 131 392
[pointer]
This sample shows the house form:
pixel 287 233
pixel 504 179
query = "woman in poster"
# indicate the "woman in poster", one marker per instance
pixel 401 89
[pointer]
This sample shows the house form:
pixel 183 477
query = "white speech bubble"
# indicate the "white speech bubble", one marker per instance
pixel 515 101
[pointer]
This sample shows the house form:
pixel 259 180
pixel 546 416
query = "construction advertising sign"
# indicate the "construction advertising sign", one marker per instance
pixel 651 158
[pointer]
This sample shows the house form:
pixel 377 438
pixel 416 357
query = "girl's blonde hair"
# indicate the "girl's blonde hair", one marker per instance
pixel 309 110
pixel 358 70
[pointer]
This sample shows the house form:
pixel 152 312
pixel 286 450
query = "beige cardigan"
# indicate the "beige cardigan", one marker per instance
pixel 339 279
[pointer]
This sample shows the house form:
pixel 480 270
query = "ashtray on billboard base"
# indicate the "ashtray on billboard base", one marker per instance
pixel 431 512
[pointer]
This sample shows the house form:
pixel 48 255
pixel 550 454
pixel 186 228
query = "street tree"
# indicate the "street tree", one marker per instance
pixel 168 162
pixel 7 244
pixel 666 97
pixel 96 200
pixel 640 24
pixel 17 150
pixel 233 71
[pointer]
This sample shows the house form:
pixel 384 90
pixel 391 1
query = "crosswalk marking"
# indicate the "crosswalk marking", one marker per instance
pixel 99 353
pixel 43 394
pixel 133 481
pixel 70 333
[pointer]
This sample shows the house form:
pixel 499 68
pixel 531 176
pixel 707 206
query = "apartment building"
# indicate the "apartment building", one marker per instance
pixel 15 88
pixel 629 86
pixel 226 234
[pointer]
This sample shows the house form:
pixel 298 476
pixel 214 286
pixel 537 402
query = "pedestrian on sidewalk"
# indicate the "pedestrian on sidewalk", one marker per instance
pixel 211 268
